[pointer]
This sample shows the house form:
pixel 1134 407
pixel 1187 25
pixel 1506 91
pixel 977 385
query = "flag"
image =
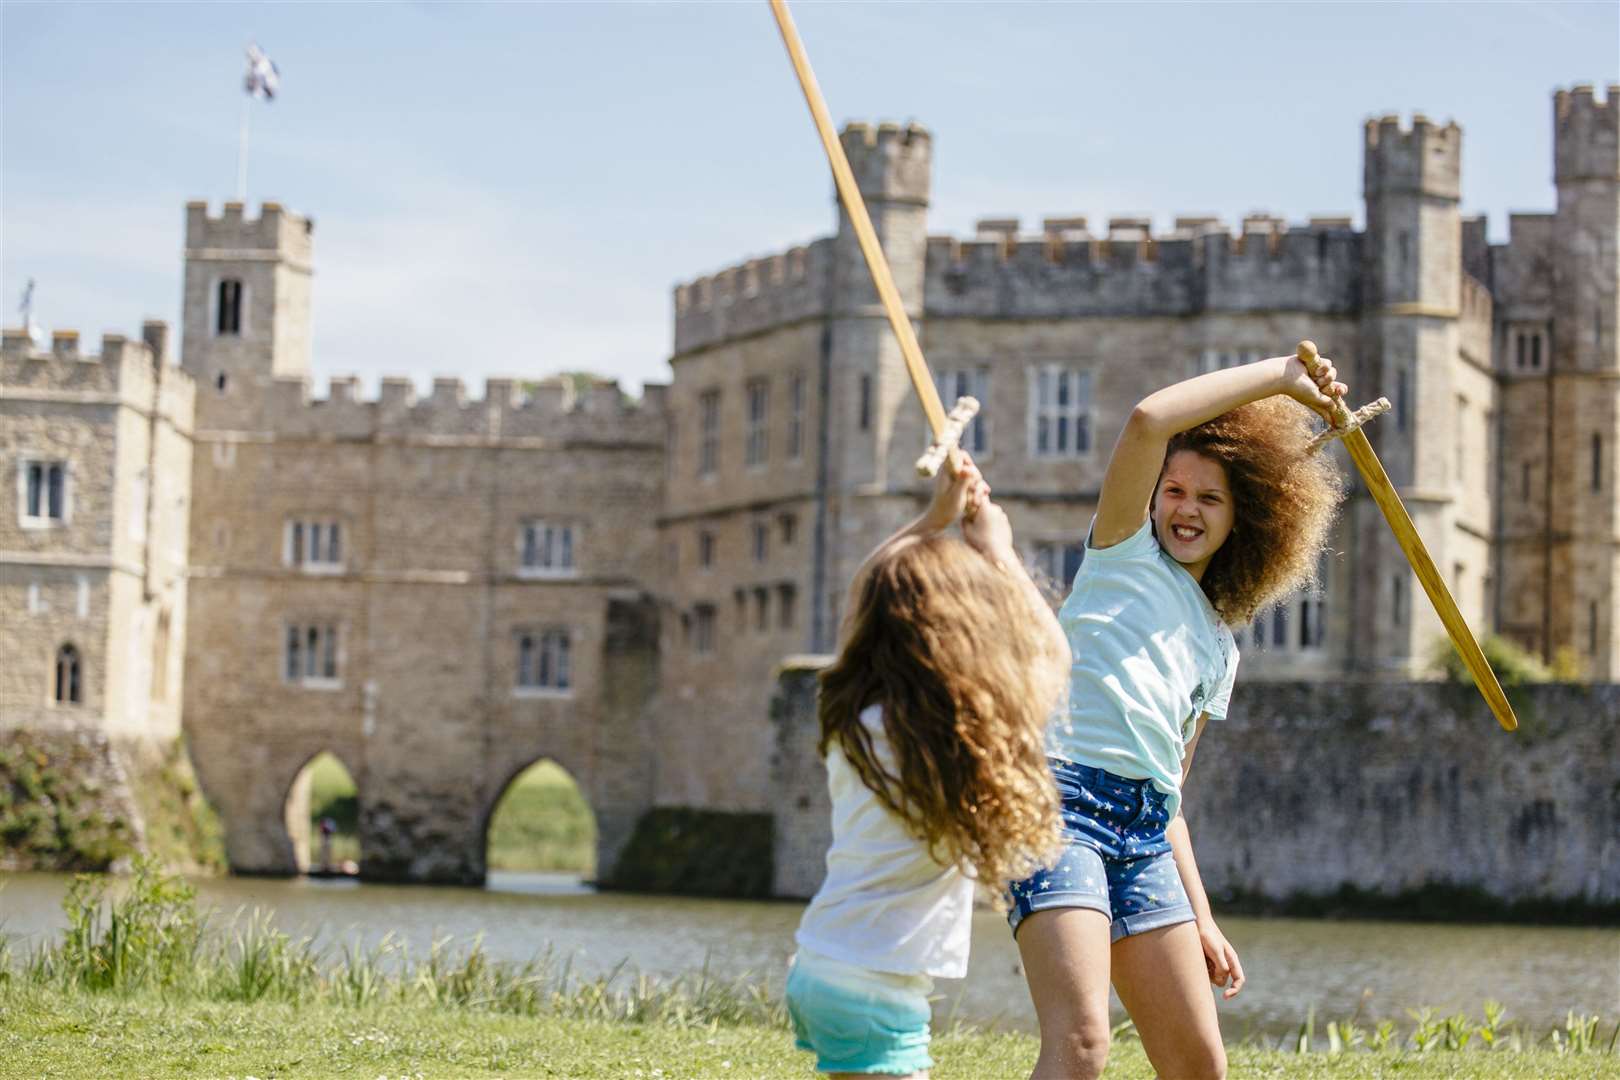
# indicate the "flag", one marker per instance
pixel 262 79
pixel 26 309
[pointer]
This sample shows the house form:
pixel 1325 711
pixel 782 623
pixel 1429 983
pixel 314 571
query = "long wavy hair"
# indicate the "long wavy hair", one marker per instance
pixel 945 642
pixel 1284 500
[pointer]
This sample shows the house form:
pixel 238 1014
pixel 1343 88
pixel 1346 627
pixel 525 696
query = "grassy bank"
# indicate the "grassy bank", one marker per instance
pixel 541 823
pixel 137 986
pixel 48 1033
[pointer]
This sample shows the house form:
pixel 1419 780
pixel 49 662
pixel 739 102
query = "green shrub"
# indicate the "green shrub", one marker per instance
pixel 1513 665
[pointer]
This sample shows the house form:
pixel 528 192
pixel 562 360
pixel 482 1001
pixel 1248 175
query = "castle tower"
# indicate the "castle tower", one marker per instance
pixel 1584 410
pixel 246 308
pixel 874 427
pixel 870 390
pixel 1411 300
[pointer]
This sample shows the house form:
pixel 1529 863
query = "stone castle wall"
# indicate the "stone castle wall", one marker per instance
pixel 1306 788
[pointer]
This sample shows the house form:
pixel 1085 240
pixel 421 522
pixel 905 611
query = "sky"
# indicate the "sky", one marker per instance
pixel 515 189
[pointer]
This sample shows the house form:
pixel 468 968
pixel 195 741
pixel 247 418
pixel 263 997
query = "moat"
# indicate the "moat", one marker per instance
pixel 1293 964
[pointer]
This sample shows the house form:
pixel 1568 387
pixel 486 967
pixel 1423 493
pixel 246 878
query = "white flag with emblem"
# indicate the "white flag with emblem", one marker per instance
pixel 262 78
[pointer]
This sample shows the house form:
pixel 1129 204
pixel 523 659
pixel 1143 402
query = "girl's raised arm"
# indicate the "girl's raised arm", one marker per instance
pixel 952 492
pixel 1138 456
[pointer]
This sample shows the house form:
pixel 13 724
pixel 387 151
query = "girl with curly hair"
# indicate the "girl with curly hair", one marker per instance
pixel 933 721
pixel 1212 508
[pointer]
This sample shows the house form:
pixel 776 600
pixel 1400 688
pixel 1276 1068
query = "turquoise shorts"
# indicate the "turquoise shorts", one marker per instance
pixel 856 1020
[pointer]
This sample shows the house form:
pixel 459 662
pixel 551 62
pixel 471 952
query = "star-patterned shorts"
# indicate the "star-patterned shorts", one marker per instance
pixel 1116 858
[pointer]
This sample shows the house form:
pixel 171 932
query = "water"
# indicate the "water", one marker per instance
pixel 1292 964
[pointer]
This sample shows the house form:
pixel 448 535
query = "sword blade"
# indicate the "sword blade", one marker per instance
pixel 850 194
pixel 1406 534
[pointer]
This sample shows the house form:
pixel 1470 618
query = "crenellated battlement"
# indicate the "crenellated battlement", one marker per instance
pixel 1200 265
pixel 1586 134
pixel 754 296
pixel 275 231
pixel 124 369
pixel 891 163
pixel 1425 158
pixel 509 409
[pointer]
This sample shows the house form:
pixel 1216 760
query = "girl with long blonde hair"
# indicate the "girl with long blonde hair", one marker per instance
pixel 1212 509
pixel 933 723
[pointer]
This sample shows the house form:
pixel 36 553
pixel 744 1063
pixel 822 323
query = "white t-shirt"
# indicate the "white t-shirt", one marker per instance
pixel 887 904
pixel 1149 656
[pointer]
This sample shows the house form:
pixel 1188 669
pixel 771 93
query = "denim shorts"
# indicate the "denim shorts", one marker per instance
pixel 856 1020
pixel 1116 858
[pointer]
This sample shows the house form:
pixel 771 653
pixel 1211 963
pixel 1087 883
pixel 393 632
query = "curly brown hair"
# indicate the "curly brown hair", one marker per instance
pixel 944 641
pixel 1284 500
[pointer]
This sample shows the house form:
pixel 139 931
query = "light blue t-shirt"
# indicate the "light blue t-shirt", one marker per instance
pixel 1150 655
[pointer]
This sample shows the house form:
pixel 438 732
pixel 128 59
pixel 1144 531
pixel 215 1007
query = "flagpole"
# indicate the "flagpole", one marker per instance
pixel 242 151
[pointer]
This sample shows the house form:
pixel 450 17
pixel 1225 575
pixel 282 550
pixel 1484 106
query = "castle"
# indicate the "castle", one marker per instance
pixel 441 591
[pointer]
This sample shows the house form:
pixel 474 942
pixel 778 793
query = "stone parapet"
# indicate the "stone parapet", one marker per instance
pixel 755 296
pixel 123 370
pixel 276 231
pixel 1200 266
pixel 1586 134
pixel 509 409
pixel 1423 159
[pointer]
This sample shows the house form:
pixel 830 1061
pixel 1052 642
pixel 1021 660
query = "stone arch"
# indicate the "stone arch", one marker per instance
pixel 296 810
pixel 508 788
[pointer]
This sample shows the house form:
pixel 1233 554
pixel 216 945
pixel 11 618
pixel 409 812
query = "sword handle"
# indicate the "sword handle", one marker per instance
pixel 1342 417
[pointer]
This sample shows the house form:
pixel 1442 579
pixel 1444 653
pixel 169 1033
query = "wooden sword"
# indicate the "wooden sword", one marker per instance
pixel 947 429
pixel 1347 425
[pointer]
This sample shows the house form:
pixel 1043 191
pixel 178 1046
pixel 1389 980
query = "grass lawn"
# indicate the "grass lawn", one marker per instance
pixel 46 1032
pixel 541 823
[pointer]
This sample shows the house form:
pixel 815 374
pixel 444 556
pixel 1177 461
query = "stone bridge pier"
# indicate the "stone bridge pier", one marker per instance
pixel 429 776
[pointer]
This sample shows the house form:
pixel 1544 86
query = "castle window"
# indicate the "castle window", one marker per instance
pixel 756 442
pixel 1060 412
pixel 1058 560
pixel 785 597
pixel 705 549
pixel 1398 607
pixel 795 430
pixel 790 528
pixel 1524 481
pixel 310 655
pixel 1597 461
pixel 544 661
pixel 42 490
pixel 219 382
pixel 1521 355
pixel 761 541
pixel 969 382
pixel 703 629
pixel 313 545
pixel 709 441
pixel 1535 350
pixel 228 309
pixel 762 603
pixel 545 549
pixel 69 688
pixel 160 658
pixel 865 416
pixel 1402 392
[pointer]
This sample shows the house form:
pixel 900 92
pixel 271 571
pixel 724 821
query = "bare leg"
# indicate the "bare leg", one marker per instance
pixel 1065 955
pixel 1161 978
